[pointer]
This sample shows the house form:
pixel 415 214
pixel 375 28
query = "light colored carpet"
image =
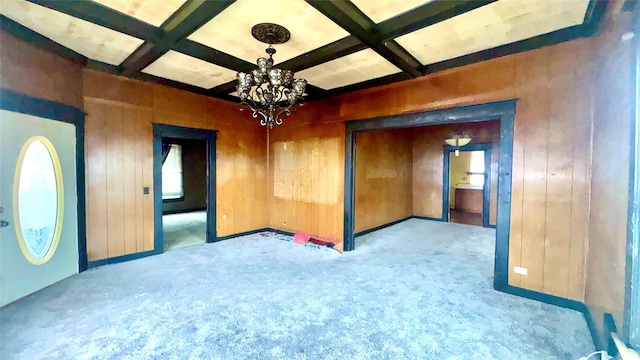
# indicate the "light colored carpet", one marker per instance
pixel 184 229
pixel 416 290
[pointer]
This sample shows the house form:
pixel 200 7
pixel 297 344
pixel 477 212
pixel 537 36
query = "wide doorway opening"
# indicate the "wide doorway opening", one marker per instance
pixel 382 186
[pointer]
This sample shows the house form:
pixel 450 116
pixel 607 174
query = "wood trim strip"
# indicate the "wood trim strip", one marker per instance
pixel 380 227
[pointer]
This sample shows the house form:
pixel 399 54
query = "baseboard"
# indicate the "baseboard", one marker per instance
pixel 123 258
pixel 245 233
pixel 558 301
pixel 364 232
pixel 426 218
pixel 180 211
pixel 593 330
pixel 608 327
pixel 281 232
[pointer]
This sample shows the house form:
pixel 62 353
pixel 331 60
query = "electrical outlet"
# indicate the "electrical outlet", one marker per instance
pixel 520 270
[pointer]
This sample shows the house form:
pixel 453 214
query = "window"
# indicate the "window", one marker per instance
pixel 172 174
pixel 476 168
pixel 39 199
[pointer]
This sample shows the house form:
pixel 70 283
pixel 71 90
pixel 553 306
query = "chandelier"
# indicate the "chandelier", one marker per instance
pixel 269 92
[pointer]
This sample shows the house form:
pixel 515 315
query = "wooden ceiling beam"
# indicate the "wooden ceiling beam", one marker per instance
pixel 203 52
pixel 104 16
pixel 43 42
pixel 190 17
pixel 337 49
pixel 349 17
pixel 426 15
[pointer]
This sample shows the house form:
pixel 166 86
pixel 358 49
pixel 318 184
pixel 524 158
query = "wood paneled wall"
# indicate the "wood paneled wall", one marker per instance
pixel 383 177
pixel 306 167
pixel 613 116
pixel 119 158
pixel 428 162
pixel 32 71
pixel 550 191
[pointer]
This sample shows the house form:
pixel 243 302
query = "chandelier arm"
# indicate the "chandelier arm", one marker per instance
pixel 286 111
pixel 255 111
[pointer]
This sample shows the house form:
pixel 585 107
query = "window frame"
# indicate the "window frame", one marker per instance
pixel 180 198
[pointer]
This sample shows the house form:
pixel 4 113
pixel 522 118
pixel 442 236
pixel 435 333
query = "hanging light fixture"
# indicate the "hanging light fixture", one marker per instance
pixel 458 141
pixel 269 92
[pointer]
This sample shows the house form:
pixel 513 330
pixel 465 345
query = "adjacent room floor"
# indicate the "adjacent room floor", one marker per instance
pixel 417 290
pixel 184 229
pixel 465 217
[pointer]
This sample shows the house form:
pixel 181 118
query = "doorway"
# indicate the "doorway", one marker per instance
pixel 42 228
pixel 184 192
pixel 184 177
pixel 503 111
pixel 466 184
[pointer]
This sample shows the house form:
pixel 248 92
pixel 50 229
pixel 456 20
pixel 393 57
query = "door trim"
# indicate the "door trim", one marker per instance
pixel 29 105
pixel 486 190
pixel 160 131
pixel 501 110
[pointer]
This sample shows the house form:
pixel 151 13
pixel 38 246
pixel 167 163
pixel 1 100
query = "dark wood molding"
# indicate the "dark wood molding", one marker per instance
pixel 501 110
pixel 25 34
pixel 217 57
pixel 380 227
pixel 171 83
pixel 426 218
pixel 426 15
pixel 385 80
pixel 631 313
pixel 104 16
pixel 29 105
pixel 178 132
pixel 354 21
pixel 557 301
pixel 122 258
pixel 364 33
pixel 187 19
pixel 339 48
pixel 536 42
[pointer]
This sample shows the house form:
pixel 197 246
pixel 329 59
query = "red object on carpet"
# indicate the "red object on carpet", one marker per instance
pixel 301 238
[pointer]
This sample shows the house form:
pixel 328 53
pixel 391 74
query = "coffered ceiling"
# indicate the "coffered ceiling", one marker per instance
pixel 337 45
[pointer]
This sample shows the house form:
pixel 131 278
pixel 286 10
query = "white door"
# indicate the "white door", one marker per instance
pixel 38 219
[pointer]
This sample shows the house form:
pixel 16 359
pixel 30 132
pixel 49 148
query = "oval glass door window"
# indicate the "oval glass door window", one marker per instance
pixel 38 200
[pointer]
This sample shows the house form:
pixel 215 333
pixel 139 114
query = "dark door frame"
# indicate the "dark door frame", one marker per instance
pixel 486 190
pixel 29 105
pixel 161 131
pixel 631 324
pixel 501 110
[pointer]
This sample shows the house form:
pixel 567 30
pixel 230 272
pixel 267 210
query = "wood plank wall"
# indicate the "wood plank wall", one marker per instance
pixel 428 162
pixel 306 167
pixel 32 71
pixel 383 177
pixel 551 150
pixel 614 105
pixel 119 158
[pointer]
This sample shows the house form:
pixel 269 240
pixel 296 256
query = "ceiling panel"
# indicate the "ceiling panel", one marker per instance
pixel 380 10
pixel 93 41
pixel 499 23
pixel 230 31
pixel 154 12
pixel 189 70
pixel 357 67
